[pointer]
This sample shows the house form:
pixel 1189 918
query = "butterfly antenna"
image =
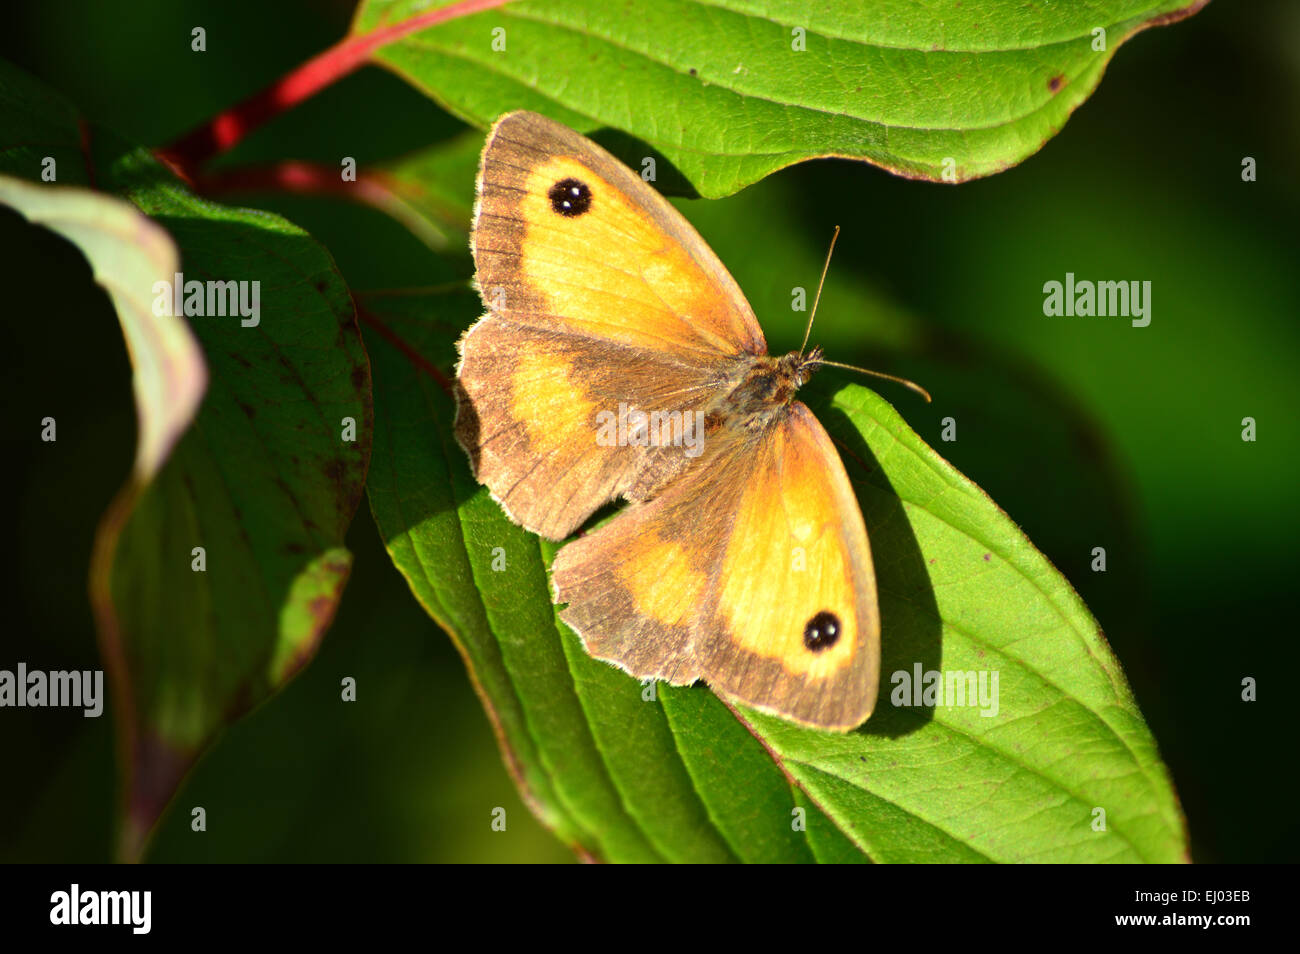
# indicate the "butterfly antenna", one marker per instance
pixel 912 385
pixel 807 331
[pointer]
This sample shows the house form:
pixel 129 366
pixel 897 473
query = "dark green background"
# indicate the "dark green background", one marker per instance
pixel 1143 183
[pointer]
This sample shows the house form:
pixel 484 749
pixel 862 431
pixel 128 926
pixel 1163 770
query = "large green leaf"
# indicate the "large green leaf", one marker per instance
pixel 722 92
pixel 264 481
pixel 626 774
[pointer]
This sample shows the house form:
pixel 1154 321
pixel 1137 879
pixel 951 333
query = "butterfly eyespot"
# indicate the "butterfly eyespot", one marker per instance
pixel 570 197
pixel 821 632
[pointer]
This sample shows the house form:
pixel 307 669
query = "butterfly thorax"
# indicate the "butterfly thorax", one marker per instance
pixel 761 387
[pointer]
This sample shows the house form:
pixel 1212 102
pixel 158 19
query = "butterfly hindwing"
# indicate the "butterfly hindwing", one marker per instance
pixel 795 591
pixel 753 573
pixel 534 413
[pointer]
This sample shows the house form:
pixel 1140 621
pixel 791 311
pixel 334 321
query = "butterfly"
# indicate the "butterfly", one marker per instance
pixel 618 359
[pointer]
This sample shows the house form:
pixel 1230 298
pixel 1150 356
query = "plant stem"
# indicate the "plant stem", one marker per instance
pixel 227 128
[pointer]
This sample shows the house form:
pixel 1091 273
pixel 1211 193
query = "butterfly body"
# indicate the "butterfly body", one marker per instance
pixel 619 360
pixel 767 387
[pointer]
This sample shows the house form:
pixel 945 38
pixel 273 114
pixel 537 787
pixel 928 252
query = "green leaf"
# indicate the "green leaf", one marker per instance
pixel 679 776
pixel 723 94
pixel 263 481
pixel 444 536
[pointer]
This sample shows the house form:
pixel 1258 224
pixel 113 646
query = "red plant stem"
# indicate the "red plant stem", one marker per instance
pixel 290 176
pixel 419 361
pixel 376 188
pixel 227 128
pixel 87 157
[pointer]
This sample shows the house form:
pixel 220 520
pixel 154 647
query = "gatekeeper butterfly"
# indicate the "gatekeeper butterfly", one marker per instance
pixel 619 359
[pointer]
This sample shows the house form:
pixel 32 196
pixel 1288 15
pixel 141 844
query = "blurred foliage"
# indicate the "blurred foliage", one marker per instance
pixel 1144 182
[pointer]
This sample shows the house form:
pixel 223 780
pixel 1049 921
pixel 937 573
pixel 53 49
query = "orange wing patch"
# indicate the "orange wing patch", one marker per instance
pixel 663 583
pixel 552 406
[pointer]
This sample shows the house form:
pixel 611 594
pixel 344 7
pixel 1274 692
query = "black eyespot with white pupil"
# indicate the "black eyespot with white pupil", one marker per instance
pixel 570 197
pixel 821 632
